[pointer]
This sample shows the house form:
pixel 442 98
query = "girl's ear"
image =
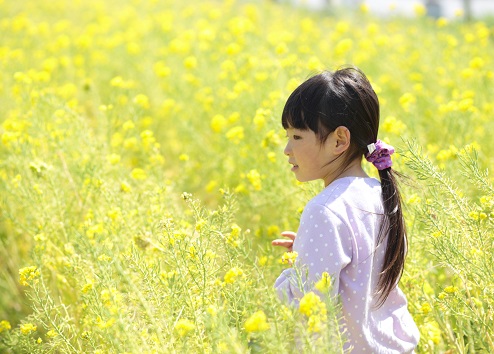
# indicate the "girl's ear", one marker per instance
pixel 342 137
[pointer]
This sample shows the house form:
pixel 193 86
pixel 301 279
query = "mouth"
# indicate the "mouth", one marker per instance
pixel 295 166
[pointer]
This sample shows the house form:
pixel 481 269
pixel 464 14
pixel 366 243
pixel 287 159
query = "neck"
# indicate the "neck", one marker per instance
pixel 354 169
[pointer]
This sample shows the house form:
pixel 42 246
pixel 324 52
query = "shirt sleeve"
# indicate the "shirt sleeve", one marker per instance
pixel 324 243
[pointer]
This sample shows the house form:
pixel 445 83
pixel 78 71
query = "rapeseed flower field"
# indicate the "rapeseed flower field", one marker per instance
pixel 142 174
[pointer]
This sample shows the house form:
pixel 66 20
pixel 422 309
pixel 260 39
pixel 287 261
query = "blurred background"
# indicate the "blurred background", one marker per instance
pixel 436 8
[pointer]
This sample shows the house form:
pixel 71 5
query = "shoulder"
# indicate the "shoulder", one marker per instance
pixel 317 214
pixel 349 192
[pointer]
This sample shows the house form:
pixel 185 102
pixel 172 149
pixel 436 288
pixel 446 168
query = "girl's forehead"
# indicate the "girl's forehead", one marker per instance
pixel 290 128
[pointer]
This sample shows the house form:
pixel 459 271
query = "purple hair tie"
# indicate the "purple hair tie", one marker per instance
pixel 380 154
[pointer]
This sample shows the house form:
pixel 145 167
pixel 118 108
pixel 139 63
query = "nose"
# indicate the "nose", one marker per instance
pixel 288 149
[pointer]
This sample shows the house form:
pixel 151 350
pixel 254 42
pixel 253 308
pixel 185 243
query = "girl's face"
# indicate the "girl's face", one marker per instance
pixel 309 158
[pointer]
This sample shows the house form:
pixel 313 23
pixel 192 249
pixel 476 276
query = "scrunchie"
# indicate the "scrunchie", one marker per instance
pixel 380 154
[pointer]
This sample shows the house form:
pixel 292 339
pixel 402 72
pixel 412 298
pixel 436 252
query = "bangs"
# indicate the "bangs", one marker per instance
pixel 304 110
pixel 293 116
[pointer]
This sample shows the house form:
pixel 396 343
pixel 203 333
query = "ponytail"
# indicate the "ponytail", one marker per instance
pixel 393 230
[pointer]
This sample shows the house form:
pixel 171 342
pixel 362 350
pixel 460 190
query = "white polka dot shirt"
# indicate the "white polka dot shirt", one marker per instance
pixel 338 234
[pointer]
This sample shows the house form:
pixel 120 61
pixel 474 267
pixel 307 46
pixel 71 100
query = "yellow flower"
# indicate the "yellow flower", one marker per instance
pixel 51 333
pixel 261 117
pixel 442 295
pixel 190 62
pixel 235 134
pixel 218 123
pixel 474 215
pixel 442 22
pixel 393 125
pixel 232 275
pixel 477 63
pixel 437 234
pixel 289 257
pixel 324 284
pixel 315 309
pixel 27 328
pixel 128 125
pixel 138 174
pixel 426 308
pixel 311 304
pixel 212 310
pixel 183 157
pixel 87 287
pixel 406 100
pixel 4 326
pixel 142 101
pixel 450 289
pixel 232 237
pixel 316 323
pixel 273 230
pixel 419 9
pixel 343 46
pixel 113 159
pixel 125 187
pixel 28 273
pixel 254 178
pixel 104 258
pixel 184 326
pixel 257 322
pixel 413 199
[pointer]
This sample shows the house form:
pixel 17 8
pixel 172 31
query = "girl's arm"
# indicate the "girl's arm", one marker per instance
pixel 324 243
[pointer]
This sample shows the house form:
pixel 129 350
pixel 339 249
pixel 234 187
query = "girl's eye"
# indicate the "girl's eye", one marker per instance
pixel 297 137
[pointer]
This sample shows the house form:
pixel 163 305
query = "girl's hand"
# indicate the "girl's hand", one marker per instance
pixel 288 244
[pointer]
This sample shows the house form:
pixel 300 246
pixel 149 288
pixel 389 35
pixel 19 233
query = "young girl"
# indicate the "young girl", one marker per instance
pixel 354 229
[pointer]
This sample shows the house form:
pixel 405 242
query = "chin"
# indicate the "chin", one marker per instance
pixel 304 179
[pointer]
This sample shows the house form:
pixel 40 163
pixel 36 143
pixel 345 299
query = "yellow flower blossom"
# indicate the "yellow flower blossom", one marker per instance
pixel 138 174
pixel 310 304
pixel 393 126
pixel 289 257
pixel 324 284
pixel 113 159
pixel 255 178
pixel 104 258
pixel 315 309
pixel 125 187
pixel 142 101
pixel 413 199
pixel 260 118
pixel 184 327
pixel 235 134
pixel 450 289
pixel 232 275
pixel 426 308
pixel 212 310
pixel 4 326
pixel 419 9
pixel 184 157
pixel 27 274
pixel 406 101
pixel 87 287
pixel 218 123
pixel 257 322
pixel 27 328
pixel 190 62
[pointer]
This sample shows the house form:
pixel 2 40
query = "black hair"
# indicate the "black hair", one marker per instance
pixel 346 98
